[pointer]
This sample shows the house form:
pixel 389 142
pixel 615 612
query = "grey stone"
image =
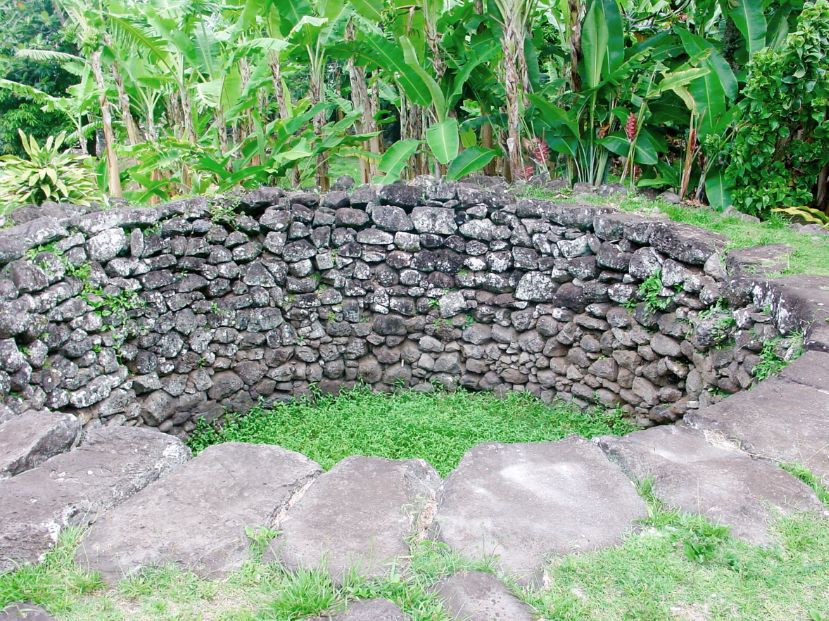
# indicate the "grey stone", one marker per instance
pixel 24 612
pixel 28 440
pixel 777 420
pixel 479 596
pixel 523 502
pixel 725 485
pixel 357 515
pixel 30 235
pixel 686 243
pixel 106 245
pixel 401 195
pixel 224 384
pixel 99 221
pixel 370 610
pixel 390 218
pixel 74 488
pixel 375 236
pixel 536 287
pixel 27 278
pixel 644 263
pixel 214 497
pixel 435 220
pixel 665 346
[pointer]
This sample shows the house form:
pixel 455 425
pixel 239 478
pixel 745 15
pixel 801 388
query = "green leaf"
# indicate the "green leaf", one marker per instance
pixel 437 97
pixel 594 40
pixel 395 160
pixel 370 9
pixel 751 22
pixel 716 188
pixel 389 56
pixel 443 140
pixel 469 161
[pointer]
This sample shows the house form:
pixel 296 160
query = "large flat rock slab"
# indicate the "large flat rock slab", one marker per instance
pixel 74 488
pixel 197 516
pixel 358 515
pixel 479 596
pixel 33 437
pixel 525 502
pixel 778 420
pixel 725 485
pixel 370 610
pixel 24 612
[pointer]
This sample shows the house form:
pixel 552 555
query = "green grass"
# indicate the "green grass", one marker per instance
pixel 811 255
pixel 677 567
pixel 438 427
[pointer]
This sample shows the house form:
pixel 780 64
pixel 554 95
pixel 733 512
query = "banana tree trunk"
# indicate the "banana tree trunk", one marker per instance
pixel 512 89
pixel 187 114
pixel 316 88
pixel 124 103
pixel 106 121
pixel 575 43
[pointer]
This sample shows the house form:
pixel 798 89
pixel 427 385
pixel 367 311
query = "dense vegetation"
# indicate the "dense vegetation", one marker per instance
pixel 438 427
pixel 712 99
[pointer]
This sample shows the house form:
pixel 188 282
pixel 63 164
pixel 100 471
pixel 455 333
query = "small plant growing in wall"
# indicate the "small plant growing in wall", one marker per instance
pixel 649 292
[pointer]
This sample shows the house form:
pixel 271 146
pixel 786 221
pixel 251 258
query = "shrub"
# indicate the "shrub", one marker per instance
pixel 779 147
pixel 48 174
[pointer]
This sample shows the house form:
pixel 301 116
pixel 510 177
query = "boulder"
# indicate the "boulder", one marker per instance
pixel 369 610
pixel 74 488
pixel 479 596
pixel 725 485
pixel 28 440
pixel 520 503
pixel 434 220
pixel 777 420
pixel 24 612
pixel 196 517
pixel 359 515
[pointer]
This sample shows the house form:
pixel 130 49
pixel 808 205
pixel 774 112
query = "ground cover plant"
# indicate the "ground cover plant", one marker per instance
pixel 677 567
pixel 438 427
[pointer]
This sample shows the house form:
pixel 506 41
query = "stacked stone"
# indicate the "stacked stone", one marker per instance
pixel 395 286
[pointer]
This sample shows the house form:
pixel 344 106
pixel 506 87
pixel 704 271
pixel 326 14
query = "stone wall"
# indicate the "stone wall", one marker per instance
pixel 159 316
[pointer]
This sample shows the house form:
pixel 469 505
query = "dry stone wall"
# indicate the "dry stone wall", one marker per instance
pixel 159 316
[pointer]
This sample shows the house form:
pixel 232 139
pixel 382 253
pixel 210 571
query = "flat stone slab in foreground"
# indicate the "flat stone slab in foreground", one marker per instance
pixel 726 486
pixel 74 488
pixel 524 502
pixel 358 515
pixel 479 596
pixel 33 437
pixel 197 516
pixel 371 610
pixel 779 420
pixel 24 612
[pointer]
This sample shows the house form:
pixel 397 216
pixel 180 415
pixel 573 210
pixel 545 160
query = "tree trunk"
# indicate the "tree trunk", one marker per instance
pixel 187 114
pixel 360 99
pixel 316 88
pixel 276 74
pixel 106 121
pixel 575 43
pixel 124 103
pixel 512 86
pixel 731 43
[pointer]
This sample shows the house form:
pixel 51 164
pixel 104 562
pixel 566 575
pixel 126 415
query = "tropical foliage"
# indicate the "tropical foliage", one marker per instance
pixel 198 96
pixel 48 174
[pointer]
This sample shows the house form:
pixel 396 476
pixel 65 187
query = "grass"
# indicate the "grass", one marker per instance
pixel 678 566
pixel 438 427
pixel 811 255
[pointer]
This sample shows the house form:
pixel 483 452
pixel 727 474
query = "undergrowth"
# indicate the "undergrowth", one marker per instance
pixel 438 427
